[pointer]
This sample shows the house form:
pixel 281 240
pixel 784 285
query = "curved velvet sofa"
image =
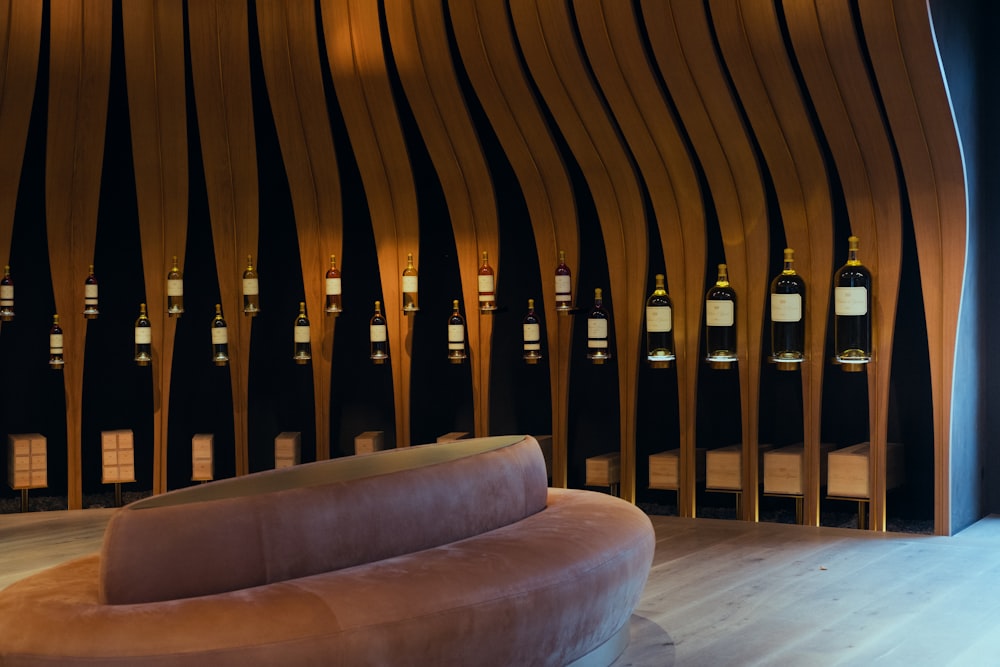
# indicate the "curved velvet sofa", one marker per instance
pixel 446 554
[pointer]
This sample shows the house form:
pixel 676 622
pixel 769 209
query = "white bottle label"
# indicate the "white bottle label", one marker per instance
pixel 850 300
pixel 377 333
pixel 90 292
pixel 532 336
pixel 143 335
pixel 719 313
pixel 786 307
pixel 563 288
pixel 456 336
pixel 250 286
pixel 55 343
pixel 7 294
pixel 332 286
pixel 485 287
pixel 659 319
pixel 597 332
pixel 302 334
pixel 220 336
pixel 410 284
pixel 175 287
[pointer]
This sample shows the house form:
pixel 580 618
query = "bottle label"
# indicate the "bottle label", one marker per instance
pixel 175 287
pixel 377 333
pixel 250 286
pixel 485 286
pixel 786 307
pixel 410 284
pixel 302 334
pixel 456 334
pixel 143 335
pixel 659 319
pixel 55 343
pixel 719 313
pixel 7 294
pixel 90 291
pixel 597 332
pixel 850 300
pixel 220 336
pixel 563 288
pixel 532 336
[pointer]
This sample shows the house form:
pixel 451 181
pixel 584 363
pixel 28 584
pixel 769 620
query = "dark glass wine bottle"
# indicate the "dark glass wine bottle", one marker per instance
pixel 220 338
pixel 659 326
pixel 251 289
pixel 456 335
pixel 6 296
pixel 532 335
pixel 720 321
pixel 598 329
pixel 410 284
pixel 302 336
pixel 852 296
pixel 564 286
pixel 378 333
pixel 788 307
pixel 90 310
pixel 143 338
pixel 56 360
pixel 487 285
pixel 175 290
pixel 333 306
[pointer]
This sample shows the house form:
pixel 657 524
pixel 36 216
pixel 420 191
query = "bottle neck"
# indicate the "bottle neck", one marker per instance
pixel 852 257
pixel 789 268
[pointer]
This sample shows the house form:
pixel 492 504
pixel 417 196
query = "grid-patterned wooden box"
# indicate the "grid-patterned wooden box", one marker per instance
pixel 117 456
pixel 27 462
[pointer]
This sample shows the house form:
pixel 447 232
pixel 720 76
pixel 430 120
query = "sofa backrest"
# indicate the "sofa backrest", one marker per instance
pixel 317 517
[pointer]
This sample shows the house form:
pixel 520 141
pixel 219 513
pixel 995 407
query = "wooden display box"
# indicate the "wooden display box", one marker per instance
pixel 724 467
pixel 27 461
pixel 604 470
pixel 451 437
pixel 665 469
pixel 117 457
pixel 784 469
pixel 202 457
pixel 847 470
pixel 369 441
pixel 287 449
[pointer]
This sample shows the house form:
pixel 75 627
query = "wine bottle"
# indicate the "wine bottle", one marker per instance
pixel 410 286
pixel 251 289
pixel 379 335
pixel 302 336
pixel 90 310
pixel 564 286
pixel 220 338
pixel 720 322
pixel 143 338
pixel 175 291
pixel 852 296
pixel 487 285
pixel 598 350
pixel 456 335
pixel 6 296
pixel 659 327
pixel 56 345
pixel 788 298
pixel 532 335
pixel 333 306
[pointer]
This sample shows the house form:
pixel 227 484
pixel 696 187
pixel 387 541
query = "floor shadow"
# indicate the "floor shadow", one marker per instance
pixel 649 645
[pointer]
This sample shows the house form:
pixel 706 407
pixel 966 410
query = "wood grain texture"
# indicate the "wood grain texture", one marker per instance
pixel 611 36
pixel 356 55
pixel 220 66
pixel 20 41
pixel 290 57
pixel 79 79
pixel 901 44
pixel 420 47
pixel 758 61
pixel 547 36
pixel 154 70
pixel 490 55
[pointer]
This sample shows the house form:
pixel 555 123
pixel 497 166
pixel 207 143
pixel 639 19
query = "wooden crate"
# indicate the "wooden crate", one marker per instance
pixel 724 467
pixel 784 471
pixel 369 441
pixel 665 469
pixel 27 461
pixel 117 457
pixel 287 449
pixel 604 470
pixel 202 457
pixel 847 470
pixel 452 436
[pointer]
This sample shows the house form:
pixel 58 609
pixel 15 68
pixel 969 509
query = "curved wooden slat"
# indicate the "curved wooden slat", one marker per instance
pixel 290 57
pixel 759 64
pixel 902 46
pixel 220 65
pixel 79 79
pixel 830 55
pixel 491 57
pixel 615 48
pixel 420 48
pixel 154 70
pixel 360 77
pixel 546 34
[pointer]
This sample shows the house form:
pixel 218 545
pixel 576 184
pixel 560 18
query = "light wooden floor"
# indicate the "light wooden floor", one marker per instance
pixel 735 593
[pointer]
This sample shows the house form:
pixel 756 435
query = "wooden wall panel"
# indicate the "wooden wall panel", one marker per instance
pixel 492 59
pixel 79 79
pixel 220 65
pixel 154 70
pixel 290 57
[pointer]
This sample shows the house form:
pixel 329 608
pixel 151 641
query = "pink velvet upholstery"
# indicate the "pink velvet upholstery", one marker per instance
pixel 543 590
